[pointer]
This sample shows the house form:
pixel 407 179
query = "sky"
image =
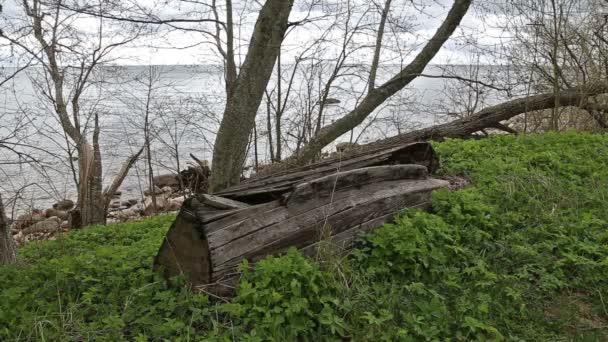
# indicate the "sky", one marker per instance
pixel 410 27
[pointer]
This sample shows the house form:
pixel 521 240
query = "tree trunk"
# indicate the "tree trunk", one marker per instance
pixel 90 193
pixel 206 246
pixel 8 250
pixel 490 116
pixel 241 107
pixel 377 96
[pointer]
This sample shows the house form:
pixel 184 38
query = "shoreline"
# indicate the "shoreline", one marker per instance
pixel 46 224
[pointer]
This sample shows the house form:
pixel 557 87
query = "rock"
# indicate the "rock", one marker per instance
pixel 55 219
pixel 166 180
pixel 50 212
pixel 51 224
pixel 128 204
pixel 64 205
pixel 63 215
pixel 125 214
pixel 161 203
pixel 65 225
pixel 138 208
pixel 37 217
pixel 24 217
pixel 157 191
pixel 167 189
pixel 28 219
pixel 22 221
pixel 114 204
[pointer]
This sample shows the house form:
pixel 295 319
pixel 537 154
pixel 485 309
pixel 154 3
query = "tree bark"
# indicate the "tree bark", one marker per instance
pixel 241 107
pixel 207 246
pixel 378 95
pixel 90 195
pixel 8 250
pixel 265 188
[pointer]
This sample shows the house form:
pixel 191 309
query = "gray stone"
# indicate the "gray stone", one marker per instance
pixel 157 191
pixel 63 215
pixel 126 204
pixel 51 212
pixel 49 225
pixel 65 205
pixel 125 214
pixel 161 203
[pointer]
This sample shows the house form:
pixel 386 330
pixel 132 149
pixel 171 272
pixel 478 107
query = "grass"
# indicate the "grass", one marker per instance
pixel 520 255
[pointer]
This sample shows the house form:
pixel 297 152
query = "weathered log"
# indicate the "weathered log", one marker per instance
pixel 185 250
pixel 207 246
pixel 222 203
pixel 266 188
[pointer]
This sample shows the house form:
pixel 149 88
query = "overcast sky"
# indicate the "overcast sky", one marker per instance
pixel 484 32
pixel 480 30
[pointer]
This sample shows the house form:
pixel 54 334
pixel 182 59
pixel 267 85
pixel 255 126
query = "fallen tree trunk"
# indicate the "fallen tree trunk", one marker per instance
pixel 262 189
pixel 493 115
pixel 487 118
pixel 490 117
pixel 207 245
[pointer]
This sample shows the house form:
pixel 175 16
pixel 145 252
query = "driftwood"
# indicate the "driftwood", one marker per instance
pixel 207 245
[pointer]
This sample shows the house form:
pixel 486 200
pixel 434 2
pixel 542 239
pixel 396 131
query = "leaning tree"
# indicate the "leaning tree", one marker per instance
pixel 247 92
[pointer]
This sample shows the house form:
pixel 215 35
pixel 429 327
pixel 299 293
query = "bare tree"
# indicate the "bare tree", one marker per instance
pixel 377 96
pixel 69 57
pixel 558 44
